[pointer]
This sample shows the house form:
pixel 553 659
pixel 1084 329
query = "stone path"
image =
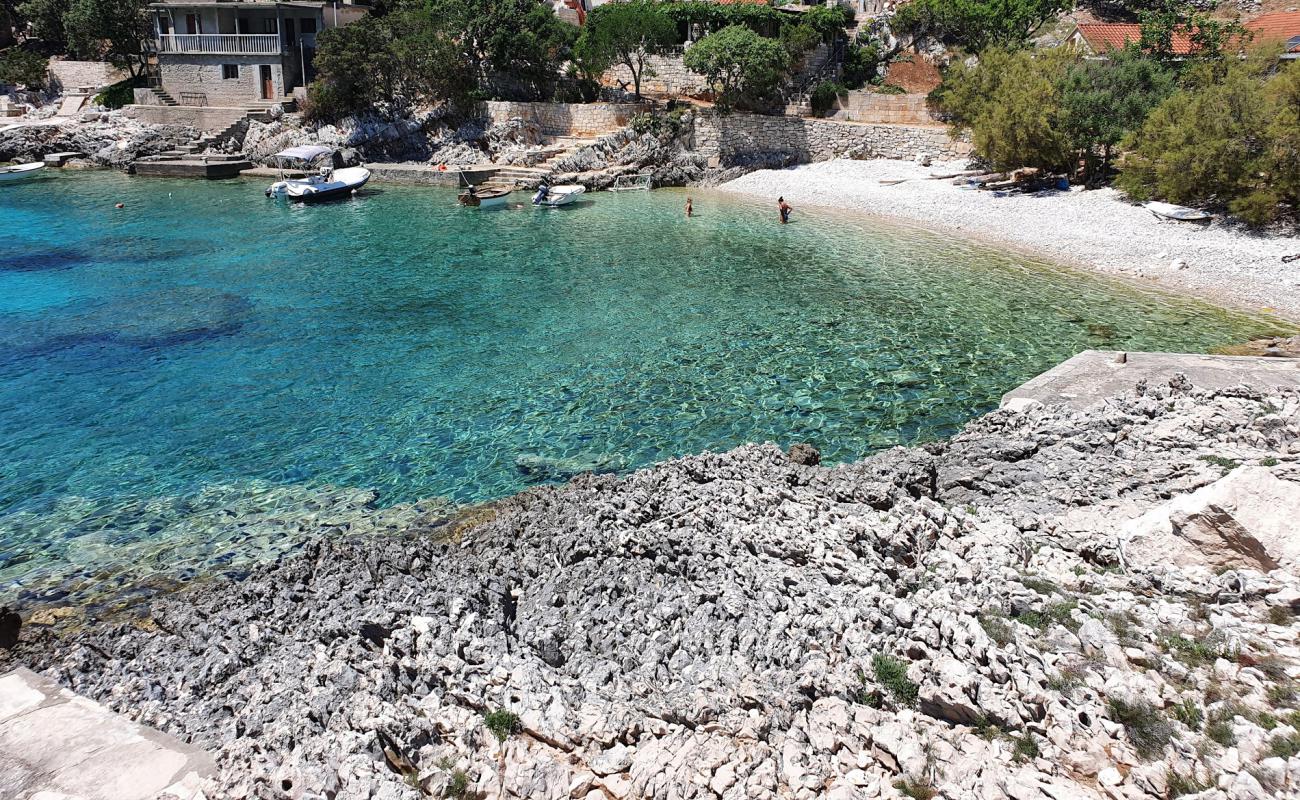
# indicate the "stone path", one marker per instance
pixel 1094 375
pixel 55 745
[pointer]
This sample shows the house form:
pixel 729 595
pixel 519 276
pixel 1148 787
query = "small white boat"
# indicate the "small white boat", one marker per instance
pixel 21 172
pixel 1180 213
pixel 328 184
pixel 553 196
pixel 480 197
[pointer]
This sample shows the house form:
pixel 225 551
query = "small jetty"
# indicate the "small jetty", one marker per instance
pixel 188 165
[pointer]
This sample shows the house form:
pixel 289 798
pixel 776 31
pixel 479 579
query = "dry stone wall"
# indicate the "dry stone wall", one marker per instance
pixel 728 139
pixel 666 75
pixel 888 109
pixel 566 119
pixel 71 76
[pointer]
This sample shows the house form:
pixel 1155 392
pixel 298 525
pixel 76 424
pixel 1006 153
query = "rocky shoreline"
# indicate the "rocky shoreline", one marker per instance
pixel 1053 604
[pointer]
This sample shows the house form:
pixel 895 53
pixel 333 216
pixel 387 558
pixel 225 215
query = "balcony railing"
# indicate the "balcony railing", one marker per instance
pixel 241 44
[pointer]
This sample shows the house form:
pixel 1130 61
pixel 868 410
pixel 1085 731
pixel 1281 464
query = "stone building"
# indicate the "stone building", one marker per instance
pixel 239 52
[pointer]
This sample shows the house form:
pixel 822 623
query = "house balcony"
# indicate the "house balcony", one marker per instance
pixel 238 44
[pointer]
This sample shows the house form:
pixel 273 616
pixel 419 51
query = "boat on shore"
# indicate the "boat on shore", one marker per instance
pixel 1174 212
pixel 328 184
pixel 21 172
pixel 553 196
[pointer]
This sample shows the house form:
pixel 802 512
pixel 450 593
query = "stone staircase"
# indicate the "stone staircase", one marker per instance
pixel 529 177
pixel 164 99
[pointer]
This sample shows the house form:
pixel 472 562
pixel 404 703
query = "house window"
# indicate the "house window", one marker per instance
pixel 269 25
pixel 229 71
pixel 308 25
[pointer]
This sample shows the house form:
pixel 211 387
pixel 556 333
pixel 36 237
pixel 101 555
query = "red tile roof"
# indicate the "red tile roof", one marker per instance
pixel 1103 37
pixel 1279 27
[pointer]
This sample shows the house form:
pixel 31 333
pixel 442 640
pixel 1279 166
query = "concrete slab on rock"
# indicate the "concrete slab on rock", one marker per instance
pixel 54 744
pixel 1095 375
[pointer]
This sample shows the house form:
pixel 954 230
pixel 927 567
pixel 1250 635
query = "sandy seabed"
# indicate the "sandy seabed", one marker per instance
pixel 1098 229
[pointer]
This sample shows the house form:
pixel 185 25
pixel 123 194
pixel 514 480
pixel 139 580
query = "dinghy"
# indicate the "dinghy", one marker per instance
pixel 1180 213
pixel 329 184
pixel 480 197
pixel 553 196
pixel 20 172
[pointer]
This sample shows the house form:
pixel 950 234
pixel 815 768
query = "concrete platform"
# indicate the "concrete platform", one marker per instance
pixel 55 745
pixel 59 159
pixel 1095 375
pixel 424 174
pixel 190 168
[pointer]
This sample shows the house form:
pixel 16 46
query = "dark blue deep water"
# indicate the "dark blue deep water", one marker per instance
pixel 204 353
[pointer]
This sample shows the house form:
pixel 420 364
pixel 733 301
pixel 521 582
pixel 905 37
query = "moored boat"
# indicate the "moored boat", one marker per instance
pixel 553 196
pixel 21 172
pixel 483 197
pixel 330 183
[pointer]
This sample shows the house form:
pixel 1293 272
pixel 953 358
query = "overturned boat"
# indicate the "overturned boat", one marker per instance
pixel 328 183
pixel 1179 213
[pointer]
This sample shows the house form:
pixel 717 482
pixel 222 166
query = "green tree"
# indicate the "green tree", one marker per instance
pixel 1102 101
pixel 23 68
pixel 513 48
pixel 1010 101
pixel 974 25
pixel 626 33
pixel 1167 21
pixel 109 29
pixel 46 20
pixel 1230 142
pixel 742 67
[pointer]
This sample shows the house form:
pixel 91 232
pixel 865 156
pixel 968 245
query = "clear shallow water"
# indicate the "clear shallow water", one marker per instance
pixel 204 345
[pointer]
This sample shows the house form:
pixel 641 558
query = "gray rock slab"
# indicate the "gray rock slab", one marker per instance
pixel 56 744
pixel 1095 375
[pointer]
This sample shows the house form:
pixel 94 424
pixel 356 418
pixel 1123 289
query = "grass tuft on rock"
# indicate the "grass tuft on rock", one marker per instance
pixel 502 723
pixel 1148 730
pixel 915 789
pixel 1285 746
pixel 891 673
pixel 458 786
pixel 995 625
pixel 1179 785
pixel 1188 713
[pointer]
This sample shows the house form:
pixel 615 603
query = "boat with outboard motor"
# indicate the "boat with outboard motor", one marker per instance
pixel 21 172
pixel 552 196
pixel 328 183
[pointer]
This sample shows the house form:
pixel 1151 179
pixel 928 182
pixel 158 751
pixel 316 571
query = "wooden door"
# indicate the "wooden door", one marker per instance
pixel 268 85
pixel 191 23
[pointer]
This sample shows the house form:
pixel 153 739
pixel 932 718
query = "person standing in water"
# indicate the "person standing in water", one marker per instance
pixel 689 210
pixel 784 208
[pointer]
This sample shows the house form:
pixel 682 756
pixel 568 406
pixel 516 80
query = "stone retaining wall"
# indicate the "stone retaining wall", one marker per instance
pixel 71 76
pixel 887 109
pixel 670 78
pixel 207 119
pixel 737 138
pixel 566 119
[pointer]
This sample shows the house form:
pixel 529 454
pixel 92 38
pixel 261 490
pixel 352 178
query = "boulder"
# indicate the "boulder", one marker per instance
pixel 1244 520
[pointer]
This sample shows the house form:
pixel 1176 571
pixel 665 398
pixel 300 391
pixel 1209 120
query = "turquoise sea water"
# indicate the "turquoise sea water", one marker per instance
pixel 204 348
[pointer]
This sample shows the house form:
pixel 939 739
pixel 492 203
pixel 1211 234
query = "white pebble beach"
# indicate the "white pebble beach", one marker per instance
pixel 1095 229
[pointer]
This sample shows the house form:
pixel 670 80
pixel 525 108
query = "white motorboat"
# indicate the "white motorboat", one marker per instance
pixel 327 184
pixel 553 196
pixel 1180 213
pixel 21 172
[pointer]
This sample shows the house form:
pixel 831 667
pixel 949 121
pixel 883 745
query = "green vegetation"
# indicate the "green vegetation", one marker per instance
pixel 1188 713
pixel 93 30
pixel 449 51
pixel 915 789
pixel 1285 746
pixel 1197 652
pixel 1219 726
pixel 1147 729
pixel 626 33
pixel 502 723
pixel 1178 785
pixel 1024 748
pixel 23 68
pixel 891 673
pixel 975 25
pixel 1225 464
pixel 1061 613
pixel 742 67
pixel 119 94
pixel 458 786
pixel 824 96
pixel 995 625
pixel 1230 137
pixel 1067 678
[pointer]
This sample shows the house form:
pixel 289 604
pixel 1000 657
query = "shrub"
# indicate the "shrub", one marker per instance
pixel 1188 713
pixel 1177 785
pixel 1219 726
pixel 861 65
pixel 891 673
pixel 799 39
pixel 119 94
pixel 1285 746
pixel 502 723
pixel 824 96
pixel 1229 138
pixel 995 625
pixel 915 789
pixel 1147 729
pixel 742 67
pixel 458 786
pixel 1196 652
pixel 24 68
pixel 626 33
pixel 1024 747
pixel 975 25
